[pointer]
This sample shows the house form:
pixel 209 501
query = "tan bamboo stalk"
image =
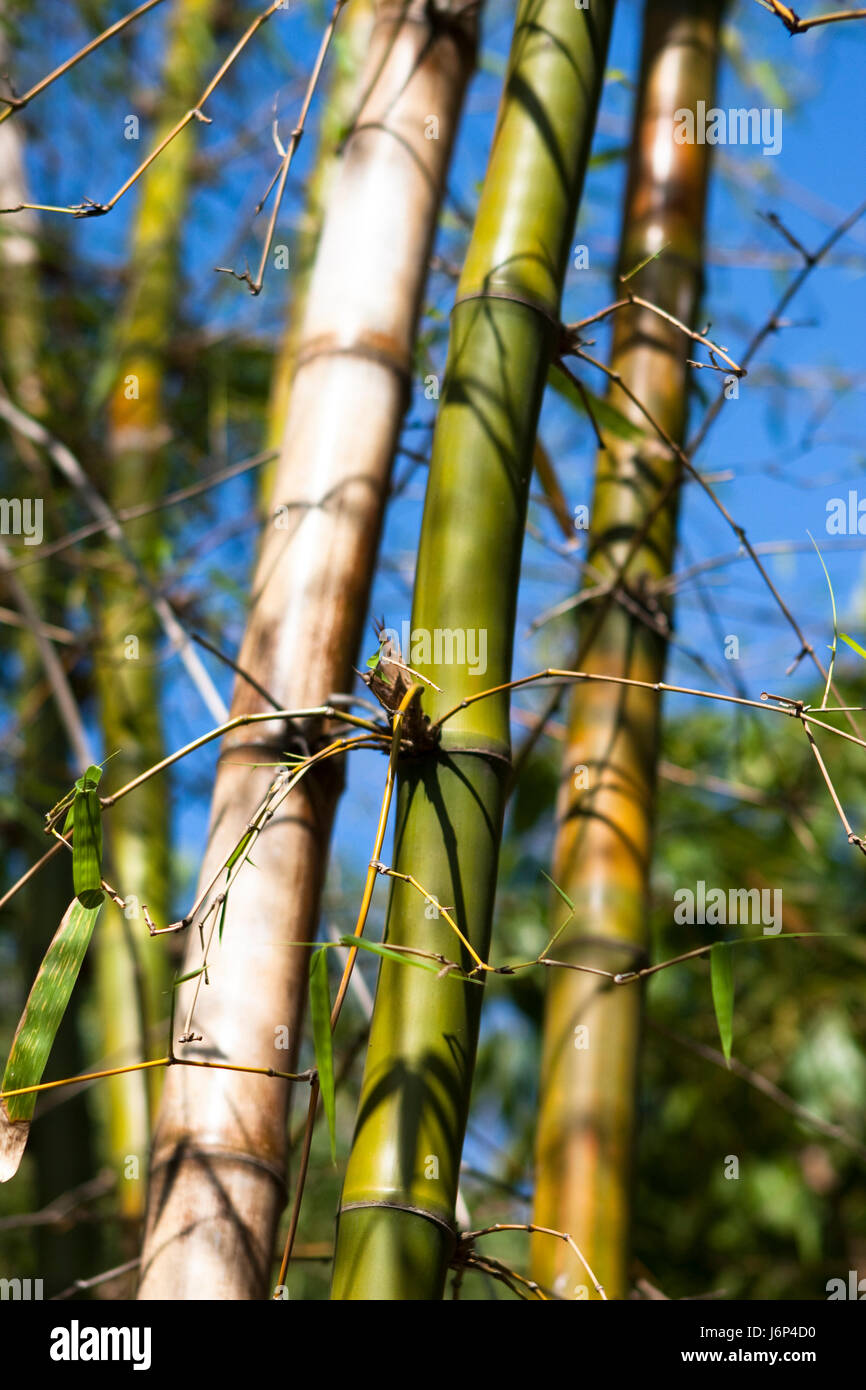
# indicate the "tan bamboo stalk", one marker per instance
pixel 219 1164
pixel 131 974
pixel 344 93
pixel 586 1131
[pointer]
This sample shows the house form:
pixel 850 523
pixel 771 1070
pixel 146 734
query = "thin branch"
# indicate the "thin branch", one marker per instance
pixel 282 173
pixel 81 1284
pixel 170 1061
pixel 766 1087
pixel 87 207
pixel 64 699
pixel 12 619
pixel 67 464
pixel 852 838
pixel 17 103
pixel 467 1237
pixel 326 711
pixel 806 649
pixel 573 339
pixel 171 499
pixel 795 25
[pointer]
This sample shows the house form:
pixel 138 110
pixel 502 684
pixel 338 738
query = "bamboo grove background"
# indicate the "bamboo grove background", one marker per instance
pixel 427 413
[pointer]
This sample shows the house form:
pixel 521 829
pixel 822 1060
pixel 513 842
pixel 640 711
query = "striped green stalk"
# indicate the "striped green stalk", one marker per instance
pixel 396 1225
pixel 586 1132
pixel 219 1160
pixel 131 971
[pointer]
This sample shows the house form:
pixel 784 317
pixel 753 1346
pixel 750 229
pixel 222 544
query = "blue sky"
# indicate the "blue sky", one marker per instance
pixel 779 485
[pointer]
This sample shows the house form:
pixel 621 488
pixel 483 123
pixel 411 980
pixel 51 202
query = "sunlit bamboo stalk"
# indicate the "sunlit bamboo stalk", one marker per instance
pixel 219 1165
pixel 396 1230
pixel 587 1122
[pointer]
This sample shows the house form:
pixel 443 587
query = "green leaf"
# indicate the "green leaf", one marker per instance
pixel 193 974
pixel 835 622
pixel 722 985
pixel 855 646
pixel 609 156
pixel 87 843
pixel 37 1029
pixel 399 956
pixel 238 850
pixel 320 1015
pixel 223 917
pixel 608 418
pixel 646 260
pixel 560 891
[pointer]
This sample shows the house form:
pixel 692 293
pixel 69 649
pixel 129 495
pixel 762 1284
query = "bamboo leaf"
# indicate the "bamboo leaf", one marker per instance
pixel 654 255
pixel 855 646
pixel 87 844
pixel 238 850
pixel 722 986
pixel 607 416
pixel 827 687
pixel 223 916
pixel 37 1029
pixel 560 891
pixel 782 936
pixel 401 957
pixel 192 975
pixel 320 1015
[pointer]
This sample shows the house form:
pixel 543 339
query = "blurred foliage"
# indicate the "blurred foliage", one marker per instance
pixel 796 1215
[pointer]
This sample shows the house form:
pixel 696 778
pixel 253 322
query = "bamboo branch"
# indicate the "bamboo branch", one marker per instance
pixel 795 25
pixel 67 464
pixel 18 103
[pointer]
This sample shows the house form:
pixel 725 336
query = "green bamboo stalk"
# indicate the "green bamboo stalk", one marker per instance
pixel 586 1131
pixel 396 1225
pixel 132 974
pixel 219 1157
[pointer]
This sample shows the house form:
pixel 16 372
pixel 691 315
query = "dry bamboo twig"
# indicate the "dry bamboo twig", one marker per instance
pixel 811 260
pixel 18 103
pixel 171 499
pixel 795 25
pixel 629 300
pixel 282 173
pixel 67 707
pixel 169 1061
pixel 531 1229
pixel 67 464
pixel 806 648
pixel 328 711
pixel 87 207
pixel 766 1087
